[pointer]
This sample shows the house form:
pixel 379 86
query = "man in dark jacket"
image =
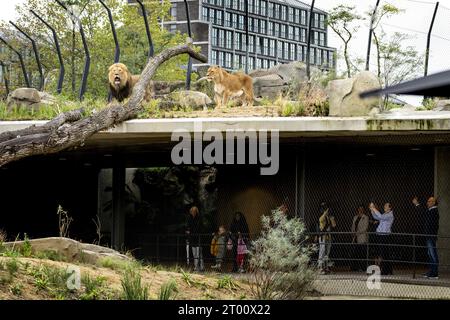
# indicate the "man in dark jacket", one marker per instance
pixel 431 228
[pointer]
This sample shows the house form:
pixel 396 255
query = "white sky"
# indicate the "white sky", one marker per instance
pixel 416 17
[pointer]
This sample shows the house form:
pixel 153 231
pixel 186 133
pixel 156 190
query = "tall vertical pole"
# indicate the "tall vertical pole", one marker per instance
pixel 151 50
pixel 247 55
pixel 22 64
pixel 189 67
pixel 369 45
pixel 308 46
pixel 62 70
pixel 36 54
pixel 5 78
pixel 113 30
pixel 427 52
pixel 87 60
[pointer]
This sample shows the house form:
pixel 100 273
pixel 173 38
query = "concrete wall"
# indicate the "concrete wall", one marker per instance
pixel 442 191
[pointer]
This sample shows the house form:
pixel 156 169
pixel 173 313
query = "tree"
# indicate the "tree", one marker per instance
pixel 386 11
pixel 131 33
pixel 345 23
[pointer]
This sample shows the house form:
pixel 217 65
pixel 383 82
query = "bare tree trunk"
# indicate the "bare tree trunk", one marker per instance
pixel 377 44
pixel 70 130
pixel 347 61
pixel 73 58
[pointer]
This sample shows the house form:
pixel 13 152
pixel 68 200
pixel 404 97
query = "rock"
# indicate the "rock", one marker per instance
pixel 442 105
pixel 166 87
pixel 344 95
pixel 271 82
pixel 405 110
pixel 69 249
pixel 47 98
pixel 187 99
pixel 24 97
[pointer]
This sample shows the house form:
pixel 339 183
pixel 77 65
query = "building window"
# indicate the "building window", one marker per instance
pixel 262 26
pixel 280 49
pixel 291 14
pixel 234 20
pixel 227 3
pixel 219 3
pixel 276 11
pixel 316 20
pixel 257 6
pixel 322 39
pixel 173 11
pixel 228 59
pixel 221 38
pixel 300 53
pixel 219 17
pixel 283 13
pixel 213 57
pixel 302 35
pixel 303 17
pixel 322 21
pixel 286 51
pixel 250 24
pixel 251 43
pixel 277 30
pixel 235 4
pixel 291 33
pixel 270 10
pixel 270 28
pixel 312 56
pixel 214 37
pixel 228 19
pixel 251 7
pixel 229 40
pixel 205 13
pixel 251 63
pixel 242 5
pixel 265 46
pixel 283 31
pixel 241 22
pixel 293 55
pixel 272 48
pixel 297 16
pixel 264 8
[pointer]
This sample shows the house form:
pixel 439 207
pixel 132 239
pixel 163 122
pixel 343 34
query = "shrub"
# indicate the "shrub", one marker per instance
pixel 16 289
pixel 93 287
pixel 13 266
pixel 168 290
pixel 279 259
pixel 132 287
pixel 227 282
pixel 26 249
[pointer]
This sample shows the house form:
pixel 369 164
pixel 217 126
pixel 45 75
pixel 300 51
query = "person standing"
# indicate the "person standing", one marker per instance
pixel 383 239
pixel 238 226
pixel 193 232
pixel 431 227
pixel 360 226
pixel 327 223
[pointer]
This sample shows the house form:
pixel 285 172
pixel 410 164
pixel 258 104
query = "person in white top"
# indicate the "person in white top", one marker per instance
pixel 383 240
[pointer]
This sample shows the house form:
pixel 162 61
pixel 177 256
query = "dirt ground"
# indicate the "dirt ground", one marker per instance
pixel 198 287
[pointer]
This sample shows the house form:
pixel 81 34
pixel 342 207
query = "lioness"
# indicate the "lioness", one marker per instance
pixel 227 85
pixel 122 82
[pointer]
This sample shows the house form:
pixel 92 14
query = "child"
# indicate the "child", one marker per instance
pixel 241 252
pixel 220 245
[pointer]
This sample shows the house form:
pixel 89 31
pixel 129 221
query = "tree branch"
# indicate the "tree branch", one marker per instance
pixel 58 134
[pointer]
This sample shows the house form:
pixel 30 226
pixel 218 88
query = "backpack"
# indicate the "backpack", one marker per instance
pixel 214 249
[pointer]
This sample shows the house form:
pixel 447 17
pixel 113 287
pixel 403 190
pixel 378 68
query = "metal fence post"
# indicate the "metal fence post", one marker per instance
pixel 151 50
pixel 369 46
pixel 58 51
pixel 116 41
pixel 189 66
pixel 427 52
pixel 414 256
pixel 87 62
pixel 5 78
pixel 22 64
pixel 308 46
pixel 36 54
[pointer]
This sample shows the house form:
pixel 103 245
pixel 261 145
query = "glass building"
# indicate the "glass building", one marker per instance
pixel 278 32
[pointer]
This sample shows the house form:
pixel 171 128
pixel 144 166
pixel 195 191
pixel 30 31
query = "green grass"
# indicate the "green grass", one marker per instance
pixel 118 264
pixel 168 290
pixel 93 287
pixel 227 282
pixel 132 286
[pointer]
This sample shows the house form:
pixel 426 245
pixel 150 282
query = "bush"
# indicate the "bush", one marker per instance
pixel 279 259
pixel 132 287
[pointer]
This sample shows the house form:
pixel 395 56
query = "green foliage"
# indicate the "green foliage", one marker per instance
pixel 12 265
pixel 52 280
pixel 227 282
pixel 132 286
pixel 429 104
pixel 279 259
pixel 168 290
pixel 16 289
pixel 131 35
pixel 26 250
pixel 93 287
pixel 117 264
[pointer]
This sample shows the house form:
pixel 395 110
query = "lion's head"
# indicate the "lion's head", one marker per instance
pixel 119 76
pixel 215 74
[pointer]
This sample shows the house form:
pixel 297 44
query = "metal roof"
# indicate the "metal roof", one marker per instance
pixel 435 85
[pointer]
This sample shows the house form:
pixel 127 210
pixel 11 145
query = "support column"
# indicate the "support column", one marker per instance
pixel 442 191
pixel 118 223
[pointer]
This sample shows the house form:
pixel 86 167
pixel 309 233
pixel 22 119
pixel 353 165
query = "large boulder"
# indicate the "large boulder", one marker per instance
pixel 344 95
pixel 442 105
pixel 24 97
pixel 69 249
pixel 271 82
pixel 187 99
